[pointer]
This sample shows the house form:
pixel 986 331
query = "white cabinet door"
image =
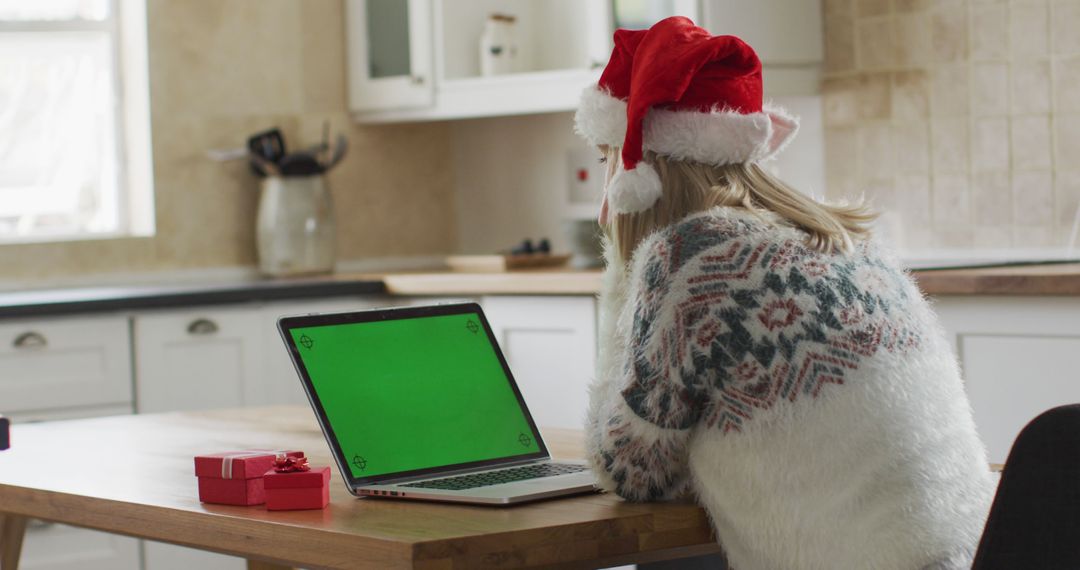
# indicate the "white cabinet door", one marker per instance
pixel 161 556
pixel 782 32
pixel 65 363
pixel 198 359
pixel 389 54
pixel 550 345
pixel 49 546
pixel 787 36
pixel 1020 357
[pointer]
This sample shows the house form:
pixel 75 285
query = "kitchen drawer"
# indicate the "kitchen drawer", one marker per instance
pixel 198 359
pixel 49 546
pixel 65 363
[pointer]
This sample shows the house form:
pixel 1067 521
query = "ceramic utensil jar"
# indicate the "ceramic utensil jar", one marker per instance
pixel 295 230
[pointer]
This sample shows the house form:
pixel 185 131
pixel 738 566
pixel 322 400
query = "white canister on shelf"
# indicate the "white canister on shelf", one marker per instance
pixel 498 45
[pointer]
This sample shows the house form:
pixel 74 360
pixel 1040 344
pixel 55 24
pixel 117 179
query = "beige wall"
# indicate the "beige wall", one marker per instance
pixel 512 174
pixel 959 116
pixel 220 70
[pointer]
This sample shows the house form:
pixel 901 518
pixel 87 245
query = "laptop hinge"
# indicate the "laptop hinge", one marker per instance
pixel 456 472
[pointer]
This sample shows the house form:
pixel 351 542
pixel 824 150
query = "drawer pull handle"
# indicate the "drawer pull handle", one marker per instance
pixel 30 339
pixel 202 327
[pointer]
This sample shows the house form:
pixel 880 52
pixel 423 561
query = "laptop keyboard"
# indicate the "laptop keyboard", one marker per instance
pixel 488 478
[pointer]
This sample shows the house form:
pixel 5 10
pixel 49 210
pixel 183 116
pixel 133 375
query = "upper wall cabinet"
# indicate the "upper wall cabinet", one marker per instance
pixel 787 36
pixel 425 60
pixel 390 65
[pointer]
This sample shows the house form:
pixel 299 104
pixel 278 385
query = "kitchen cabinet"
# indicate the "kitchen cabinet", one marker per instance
pixel 550 345
pixel 219 357
pixel 162 556
pixel 1019 356
pixel 787 36
pixel 420 60
pixel 390 55
pixel 198 359
pixel 50 546
pixel 65 368
pixel 60 364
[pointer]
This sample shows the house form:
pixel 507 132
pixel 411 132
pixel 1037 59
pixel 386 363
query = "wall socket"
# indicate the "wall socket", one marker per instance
pixel 584 182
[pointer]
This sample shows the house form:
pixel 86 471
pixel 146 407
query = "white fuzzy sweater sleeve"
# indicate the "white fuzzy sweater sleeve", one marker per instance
pixel 642 410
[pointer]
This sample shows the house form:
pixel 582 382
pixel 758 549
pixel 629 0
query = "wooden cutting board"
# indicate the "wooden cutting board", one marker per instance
pixel 500 263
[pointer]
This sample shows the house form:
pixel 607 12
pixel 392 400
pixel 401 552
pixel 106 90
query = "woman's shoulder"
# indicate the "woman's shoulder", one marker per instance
pixel 710 233
pixel 737 245
pixel 706 229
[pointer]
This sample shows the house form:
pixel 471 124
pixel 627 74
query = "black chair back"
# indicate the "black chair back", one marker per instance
pixel 1035 519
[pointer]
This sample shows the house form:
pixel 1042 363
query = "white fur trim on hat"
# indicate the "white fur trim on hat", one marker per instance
pixel 600 117
pixel 634 190
pixel 716 137
pixel 719 137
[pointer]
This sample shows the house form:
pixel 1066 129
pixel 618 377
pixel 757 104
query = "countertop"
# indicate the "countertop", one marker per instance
pixel 1031 279
pixel 50 302
pixel 1053 279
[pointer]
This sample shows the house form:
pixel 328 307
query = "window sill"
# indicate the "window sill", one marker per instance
pixel 71 238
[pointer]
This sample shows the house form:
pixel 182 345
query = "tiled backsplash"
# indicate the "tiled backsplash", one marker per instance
pixel 958 118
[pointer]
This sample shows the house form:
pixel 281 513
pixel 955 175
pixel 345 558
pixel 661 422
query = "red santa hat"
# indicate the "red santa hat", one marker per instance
pixel 678 91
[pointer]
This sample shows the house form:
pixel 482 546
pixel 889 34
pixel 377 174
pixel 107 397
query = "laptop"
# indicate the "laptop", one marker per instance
pixel 419 403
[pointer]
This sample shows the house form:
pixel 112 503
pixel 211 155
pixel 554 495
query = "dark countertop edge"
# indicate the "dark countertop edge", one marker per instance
pixel 150 298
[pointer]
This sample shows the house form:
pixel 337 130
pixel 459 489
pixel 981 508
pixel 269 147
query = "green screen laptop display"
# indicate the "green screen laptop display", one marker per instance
pixel 414 393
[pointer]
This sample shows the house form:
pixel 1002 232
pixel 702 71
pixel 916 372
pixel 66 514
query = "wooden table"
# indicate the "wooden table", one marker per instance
pixel 133 475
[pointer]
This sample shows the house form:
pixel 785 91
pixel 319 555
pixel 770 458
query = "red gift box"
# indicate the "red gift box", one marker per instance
pixel 297 490
pixel 235 477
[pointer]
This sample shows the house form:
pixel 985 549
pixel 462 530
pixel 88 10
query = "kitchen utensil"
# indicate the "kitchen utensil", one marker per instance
pixel 341 146
pixel 227 154
pixel 262 166
pixel 269 144
pixel 300 164
pixel 325 154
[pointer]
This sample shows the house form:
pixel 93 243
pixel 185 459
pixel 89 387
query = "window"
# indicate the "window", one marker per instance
pixel 74 120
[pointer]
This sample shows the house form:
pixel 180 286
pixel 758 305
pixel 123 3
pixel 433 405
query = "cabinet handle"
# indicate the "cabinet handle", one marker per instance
pixel 30 339
pixel 202 326
pixel 418 79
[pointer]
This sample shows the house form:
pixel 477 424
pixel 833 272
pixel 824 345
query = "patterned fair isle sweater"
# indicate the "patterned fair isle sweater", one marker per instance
pixel 808 401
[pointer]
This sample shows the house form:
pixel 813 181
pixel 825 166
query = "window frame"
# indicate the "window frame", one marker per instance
pixel 124 28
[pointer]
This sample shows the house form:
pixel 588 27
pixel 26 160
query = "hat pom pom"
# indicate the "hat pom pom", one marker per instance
pixel 634 190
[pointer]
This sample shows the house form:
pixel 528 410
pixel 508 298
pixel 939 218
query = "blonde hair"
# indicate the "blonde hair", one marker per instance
pixel 692 187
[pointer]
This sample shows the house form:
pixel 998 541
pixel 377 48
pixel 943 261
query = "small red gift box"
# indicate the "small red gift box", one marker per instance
pixel 235 477
pixel 297 490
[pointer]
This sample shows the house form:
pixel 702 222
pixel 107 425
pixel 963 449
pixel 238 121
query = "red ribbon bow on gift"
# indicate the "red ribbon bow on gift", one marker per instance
pixel 286 464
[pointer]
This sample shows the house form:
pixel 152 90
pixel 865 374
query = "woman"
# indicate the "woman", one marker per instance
pixel 759 351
